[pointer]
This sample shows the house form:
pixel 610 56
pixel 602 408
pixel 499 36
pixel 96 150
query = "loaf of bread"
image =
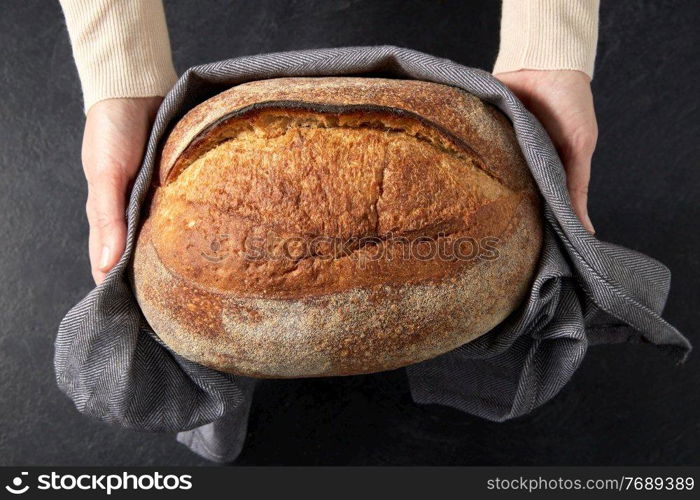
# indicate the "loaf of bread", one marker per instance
pixel 333 226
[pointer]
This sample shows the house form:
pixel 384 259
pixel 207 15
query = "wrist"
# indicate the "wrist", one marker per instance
pixel 145 106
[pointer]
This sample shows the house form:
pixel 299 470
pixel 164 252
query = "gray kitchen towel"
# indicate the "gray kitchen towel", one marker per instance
pixel 113 367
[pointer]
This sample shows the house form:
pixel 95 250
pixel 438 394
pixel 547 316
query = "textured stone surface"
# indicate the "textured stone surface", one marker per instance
pixel 626 405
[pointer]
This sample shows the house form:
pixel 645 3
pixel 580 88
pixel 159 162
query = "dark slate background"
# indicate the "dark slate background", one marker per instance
pixel 628 404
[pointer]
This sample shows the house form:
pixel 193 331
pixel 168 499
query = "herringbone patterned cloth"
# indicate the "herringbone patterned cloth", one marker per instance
pixel 115 368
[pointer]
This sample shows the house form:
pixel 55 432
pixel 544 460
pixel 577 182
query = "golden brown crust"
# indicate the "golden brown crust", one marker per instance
pixel 366 186
pixel 325 196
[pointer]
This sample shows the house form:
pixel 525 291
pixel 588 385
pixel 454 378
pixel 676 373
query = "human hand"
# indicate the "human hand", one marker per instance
pixel 562 101
pixel 116 131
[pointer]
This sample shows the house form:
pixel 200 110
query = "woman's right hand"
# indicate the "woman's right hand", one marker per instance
pixel 116 131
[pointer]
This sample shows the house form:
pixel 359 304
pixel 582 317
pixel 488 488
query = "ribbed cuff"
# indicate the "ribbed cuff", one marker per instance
pixel 121 48
pixel 548 35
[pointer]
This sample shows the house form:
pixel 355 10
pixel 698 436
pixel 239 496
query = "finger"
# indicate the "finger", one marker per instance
pixel 578 176
pixel 106 215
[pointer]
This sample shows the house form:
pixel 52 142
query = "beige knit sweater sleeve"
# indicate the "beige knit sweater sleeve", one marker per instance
pixel 122 49
pixel 548 35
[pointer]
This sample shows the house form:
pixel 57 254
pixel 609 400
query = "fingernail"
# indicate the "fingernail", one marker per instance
pixel 104 259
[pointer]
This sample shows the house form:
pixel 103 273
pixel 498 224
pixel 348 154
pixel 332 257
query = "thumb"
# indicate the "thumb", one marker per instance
pixel 106 215
pixel 578 175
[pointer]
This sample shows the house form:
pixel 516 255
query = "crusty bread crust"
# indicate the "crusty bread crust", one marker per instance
pixel 391 172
